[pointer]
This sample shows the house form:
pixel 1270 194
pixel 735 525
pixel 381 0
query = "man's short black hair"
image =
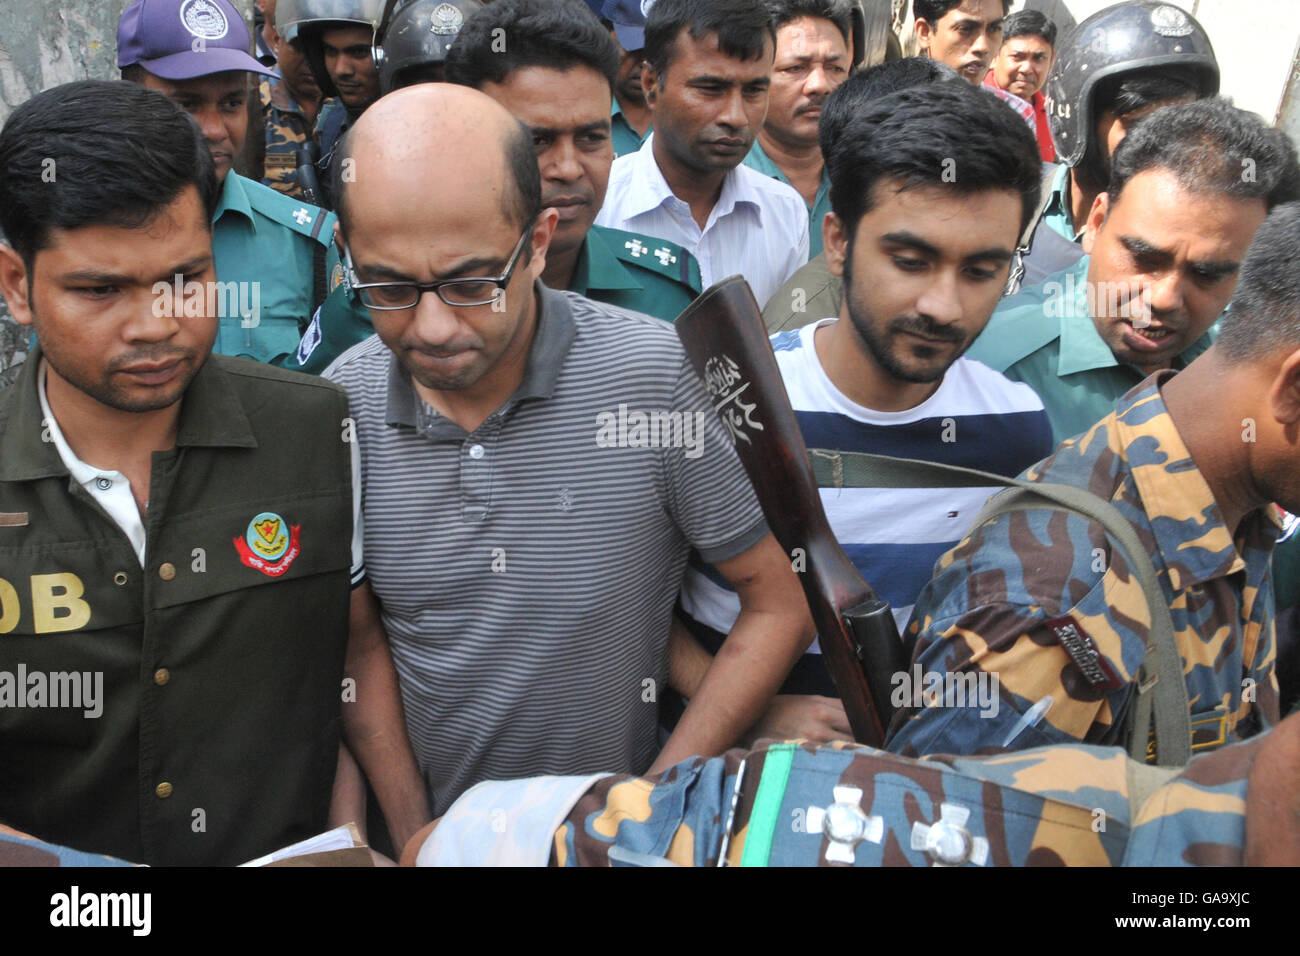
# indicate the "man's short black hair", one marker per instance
pixel 949 135
pixel 96 153
pixel 508 35
pixel 866 86
pixel 1211 146
pixel 838 12
pixel 742 27
pixel 932 11
pixel 519 205
pixel 1029 23
pixel 1265 314
pixel 1127 93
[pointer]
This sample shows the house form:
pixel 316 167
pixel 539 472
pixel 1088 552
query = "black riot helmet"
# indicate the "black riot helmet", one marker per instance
pixel 309 19
pixel 1126 38
pixel 412 44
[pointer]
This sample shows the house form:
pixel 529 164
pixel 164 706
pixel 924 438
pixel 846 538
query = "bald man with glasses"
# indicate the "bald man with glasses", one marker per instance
pixel 536 468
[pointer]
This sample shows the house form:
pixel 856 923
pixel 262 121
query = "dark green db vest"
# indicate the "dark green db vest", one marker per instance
pixel 221 659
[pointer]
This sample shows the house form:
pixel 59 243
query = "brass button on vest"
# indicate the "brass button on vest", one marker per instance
pixel 161 676
pixel 167 571
pixel 164 790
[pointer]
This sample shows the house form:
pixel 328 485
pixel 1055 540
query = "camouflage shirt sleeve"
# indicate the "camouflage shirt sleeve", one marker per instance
pixel 1015 642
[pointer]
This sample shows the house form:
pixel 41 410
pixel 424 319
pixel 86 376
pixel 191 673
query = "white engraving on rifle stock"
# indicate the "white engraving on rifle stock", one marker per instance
pixel 721 375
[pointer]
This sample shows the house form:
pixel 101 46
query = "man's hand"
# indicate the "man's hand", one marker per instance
pixel 806 716
pixel 416 843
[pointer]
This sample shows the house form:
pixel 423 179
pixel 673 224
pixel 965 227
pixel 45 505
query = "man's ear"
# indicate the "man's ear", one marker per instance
pixel 1284 395
pixel 924 34
pixel 543 230
pixel 14 284
pixel 835 243
pixel 649 83
pixel 1096 217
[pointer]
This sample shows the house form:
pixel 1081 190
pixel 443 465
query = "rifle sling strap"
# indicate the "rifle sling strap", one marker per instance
pixel 1165 700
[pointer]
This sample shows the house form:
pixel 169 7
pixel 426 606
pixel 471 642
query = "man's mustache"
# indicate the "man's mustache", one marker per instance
pixel 924 325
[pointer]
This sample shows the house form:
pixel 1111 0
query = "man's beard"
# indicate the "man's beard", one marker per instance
pixel 103 391
pixel 878 342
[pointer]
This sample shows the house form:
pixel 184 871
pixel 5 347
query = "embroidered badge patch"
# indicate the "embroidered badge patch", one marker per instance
pixel 1097 671
pixel 269 545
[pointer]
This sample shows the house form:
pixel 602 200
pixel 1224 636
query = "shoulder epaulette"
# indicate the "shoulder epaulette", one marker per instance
pixel 656 255
pixel 302 217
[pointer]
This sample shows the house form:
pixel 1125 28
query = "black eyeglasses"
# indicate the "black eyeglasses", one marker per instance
pixel 395 296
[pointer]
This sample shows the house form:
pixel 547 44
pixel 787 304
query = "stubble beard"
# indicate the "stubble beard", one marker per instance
pixel 878 344
pixel 103 391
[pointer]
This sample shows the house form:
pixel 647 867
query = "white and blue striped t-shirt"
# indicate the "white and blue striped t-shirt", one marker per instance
pixel 976 419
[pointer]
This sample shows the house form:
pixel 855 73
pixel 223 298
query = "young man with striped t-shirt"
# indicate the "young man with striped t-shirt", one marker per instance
pixel 924 255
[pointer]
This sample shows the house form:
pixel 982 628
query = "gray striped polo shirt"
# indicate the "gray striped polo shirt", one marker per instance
pixel 527 570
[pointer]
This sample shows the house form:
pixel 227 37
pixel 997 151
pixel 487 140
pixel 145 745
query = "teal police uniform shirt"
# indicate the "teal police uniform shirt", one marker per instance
pixel 625 139
pixel 637 272
pixel 264 245
pixel 1057 215
pixel 759 160
pixel 1045 337
pixel 626 269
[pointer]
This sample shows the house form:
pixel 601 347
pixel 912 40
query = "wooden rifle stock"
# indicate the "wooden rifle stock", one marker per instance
pixel 727 343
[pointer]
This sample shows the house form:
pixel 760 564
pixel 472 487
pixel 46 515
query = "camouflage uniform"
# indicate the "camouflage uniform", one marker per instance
pixel 798 804
pixel 287 129
pixel 1041 601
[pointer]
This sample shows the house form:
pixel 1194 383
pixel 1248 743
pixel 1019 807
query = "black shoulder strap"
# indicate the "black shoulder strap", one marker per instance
pixel 318 280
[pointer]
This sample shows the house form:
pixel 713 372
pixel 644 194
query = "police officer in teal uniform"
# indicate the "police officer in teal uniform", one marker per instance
pixel 273 252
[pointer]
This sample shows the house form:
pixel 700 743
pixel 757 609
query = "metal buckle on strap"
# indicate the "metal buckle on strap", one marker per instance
pixel 1146 683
